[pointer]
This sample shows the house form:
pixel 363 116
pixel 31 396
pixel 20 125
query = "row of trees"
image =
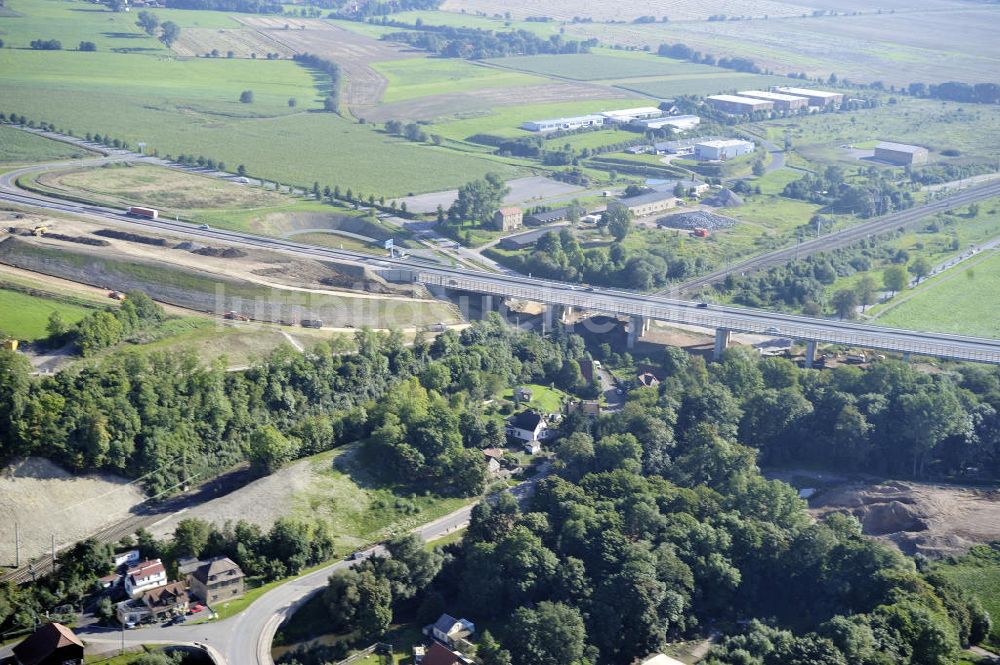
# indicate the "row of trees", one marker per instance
pixel 169 31
pixel 684 52
pixel 476 44
pixel 243 6
pixel 330 69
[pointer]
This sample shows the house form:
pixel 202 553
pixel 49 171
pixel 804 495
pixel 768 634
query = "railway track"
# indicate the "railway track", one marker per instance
pixel 890 222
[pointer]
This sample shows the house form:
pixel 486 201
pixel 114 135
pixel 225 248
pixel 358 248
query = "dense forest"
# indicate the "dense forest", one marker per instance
pixel 656 523
pixel 144 414
pixel 656 526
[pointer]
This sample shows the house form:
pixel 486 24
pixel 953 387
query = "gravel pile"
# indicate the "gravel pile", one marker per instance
pixel 697 219
pixel 188 246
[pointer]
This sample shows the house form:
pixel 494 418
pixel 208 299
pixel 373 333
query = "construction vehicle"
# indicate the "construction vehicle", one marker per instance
pixel 311 323
pixel 235 316
pixel 39 230
pixel 116 295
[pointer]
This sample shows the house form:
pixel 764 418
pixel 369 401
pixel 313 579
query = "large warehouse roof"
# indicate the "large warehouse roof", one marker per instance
pixel 899 147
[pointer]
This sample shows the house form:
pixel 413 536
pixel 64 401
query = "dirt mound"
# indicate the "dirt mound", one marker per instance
pixel 882 519
pixel 220 252
pixel 131 237
pixel 935 520
pixel 188 246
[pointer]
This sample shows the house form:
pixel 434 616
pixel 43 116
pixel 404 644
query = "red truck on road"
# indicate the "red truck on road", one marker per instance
pixel 137 211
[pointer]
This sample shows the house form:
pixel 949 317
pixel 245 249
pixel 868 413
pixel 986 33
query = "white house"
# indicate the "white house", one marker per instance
pixel 528 426
pixel 449 630
pixel 145 576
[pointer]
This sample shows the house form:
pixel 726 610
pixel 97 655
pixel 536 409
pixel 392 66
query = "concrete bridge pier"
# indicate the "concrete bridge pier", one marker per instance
pixel 906 356
pixel 486 306
pixel 722 336
pixel 810 353
pixel 637 325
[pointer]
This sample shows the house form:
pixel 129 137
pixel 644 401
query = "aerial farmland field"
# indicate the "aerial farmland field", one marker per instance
pixel 701 84
pixel 191 106
pixel 953 302
pixel 19 146
pixel 425 77
pixel 628 10
pixel 598 66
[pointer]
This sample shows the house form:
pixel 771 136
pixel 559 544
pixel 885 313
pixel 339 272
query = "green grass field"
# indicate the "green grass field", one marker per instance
pixel 25 316
pixel 956 301
pixel 19 146
pixel 72 22
pixel 423 77
pixel 974 130
pixel 506 121
pixel 606 65
pixel 978 572
pixel 191 106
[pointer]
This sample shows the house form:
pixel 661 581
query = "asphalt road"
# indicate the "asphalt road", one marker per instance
pixel 614 302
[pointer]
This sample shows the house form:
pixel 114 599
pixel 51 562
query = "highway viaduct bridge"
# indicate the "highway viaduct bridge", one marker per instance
pixel 640 309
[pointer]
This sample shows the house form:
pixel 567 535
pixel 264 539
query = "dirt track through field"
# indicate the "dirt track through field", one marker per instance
pixel 363 87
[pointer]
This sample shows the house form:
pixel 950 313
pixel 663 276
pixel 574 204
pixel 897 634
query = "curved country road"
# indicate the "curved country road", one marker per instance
pixel 245 639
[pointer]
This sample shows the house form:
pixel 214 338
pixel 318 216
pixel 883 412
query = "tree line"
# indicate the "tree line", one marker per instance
pixel 328 67
pixel 477 44
pixel 242 6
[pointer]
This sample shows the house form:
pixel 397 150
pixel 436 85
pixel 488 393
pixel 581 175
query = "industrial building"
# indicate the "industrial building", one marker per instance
pixel 681 123
pixel 900 153
pixel 646 204
pixel 711 151
pixel 631 115
pixel 564 124
pixel 736 105
pixel 815 97
pixel 781 101
pixel 546 217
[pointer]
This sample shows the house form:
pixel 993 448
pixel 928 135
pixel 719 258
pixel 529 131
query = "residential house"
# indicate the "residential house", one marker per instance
pixel 530 428
pixel 449 630
pixel 51 644
pixel 187 565
pixel 508 219
pixel 133 612
pixel 649 376
pixel 127 558
pixel 439 654
pixel 217 581
pixel 145 576
pixel 493 457
pixel 660 659
pixel 167 600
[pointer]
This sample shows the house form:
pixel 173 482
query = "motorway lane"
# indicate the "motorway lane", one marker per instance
pixel 605 300
pixel 611 301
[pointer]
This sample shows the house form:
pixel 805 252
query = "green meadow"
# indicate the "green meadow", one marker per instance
pixel 598 66
pixel 73 22
pixel 26 316
pixel 958 301
pixel 190 106
pixel 423 77
pixel 19 146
